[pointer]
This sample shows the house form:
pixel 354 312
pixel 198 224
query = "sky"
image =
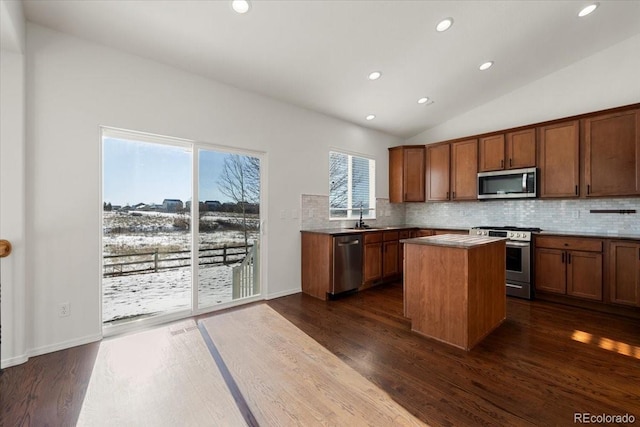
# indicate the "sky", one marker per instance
pixel 141 172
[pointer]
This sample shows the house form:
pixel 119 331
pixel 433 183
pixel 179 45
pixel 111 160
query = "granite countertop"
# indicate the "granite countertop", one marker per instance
pixel 453 240
pixel 338 231
pixel 595 234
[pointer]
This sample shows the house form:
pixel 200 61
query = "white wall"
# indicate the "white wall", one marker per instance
pixel 73 87
pixel 12 181
pixel 604 80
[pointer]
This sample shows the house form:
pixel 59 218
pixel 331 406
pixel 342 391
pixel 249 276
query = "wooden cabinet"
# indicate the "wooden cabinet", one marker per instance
pixel 612 154
pixel 407 174
pixel 512 150
pixel 569 266
pixel 491 153
pixel 372 257
pixel 390 254
pixel 317 264
pixel 438 172
pixel 452 171
pixel 559 160
pixel 464 170
pixel 521 149
pixel 624 272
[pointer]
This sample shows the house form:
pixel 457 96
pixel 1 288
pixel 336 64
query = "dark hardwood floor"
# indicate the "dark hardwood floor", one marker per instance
pixel 543 364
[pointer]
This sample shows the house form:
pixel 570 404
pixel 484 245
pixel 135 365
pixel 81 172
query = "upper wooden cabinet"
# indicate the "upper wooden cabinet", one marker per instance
pixel 612 154
pixel 438 172
pixel 406 174
pixel 464 170
pixel 491 149
pixel 512 150
pixel 521 149
pixel 559 160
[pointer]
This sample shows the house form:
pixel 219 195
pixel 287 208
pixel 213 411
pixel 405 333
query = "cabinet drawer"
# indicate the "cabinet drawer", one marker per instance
pixel 390 235
pixel 573 243
pixel 372 237
pixel 404 234
pixel 424 233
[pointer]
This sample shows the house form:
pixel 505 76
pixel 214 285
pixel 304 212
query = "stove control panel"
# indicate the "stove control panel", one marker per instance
pixel 523 236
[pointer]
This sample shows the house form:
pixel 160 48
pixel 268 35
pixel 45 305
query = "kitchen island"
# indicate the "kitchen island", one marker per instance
pixel 454 287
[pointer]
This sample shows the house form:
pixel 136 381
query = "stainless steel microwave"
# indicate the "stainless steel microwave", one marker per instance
pixel 507 184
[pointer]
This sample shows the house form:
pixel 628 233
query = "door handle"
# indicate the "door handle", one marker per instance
pixel 5 248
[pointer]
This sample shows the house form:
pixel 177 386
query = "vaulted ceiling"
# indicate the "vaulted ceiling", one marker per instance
pixel 318 54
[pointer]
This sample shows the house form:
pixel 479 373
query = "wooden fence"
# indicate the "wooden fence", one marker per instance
pixel 155 261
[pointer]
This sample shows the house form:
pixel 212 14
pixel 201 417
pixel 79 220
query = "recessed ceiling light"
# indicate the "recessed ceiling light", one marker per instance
pixel 241 6
pixel 444 25
pixel 375 75
pixel 486 65
pixel 370 117
pixel 587 10
pixel 423 100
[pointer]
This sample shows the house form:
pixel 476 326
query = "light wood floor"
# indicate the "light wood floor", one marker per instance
pixel 287 378
pixel 161 377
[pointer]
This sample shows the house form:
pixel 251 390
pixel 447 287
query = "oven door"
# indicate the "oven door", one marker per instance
pixel 518 262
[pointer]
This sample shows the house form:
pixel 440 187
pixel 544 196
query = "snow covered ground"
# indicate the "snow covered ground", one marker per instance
pixel 144 294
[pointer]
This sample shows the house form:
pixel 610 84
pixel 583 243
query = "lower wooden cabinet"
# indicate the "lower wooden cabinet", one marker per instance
pixel 569 266
pixel 390 258
pixel 372 257
pixel 624 272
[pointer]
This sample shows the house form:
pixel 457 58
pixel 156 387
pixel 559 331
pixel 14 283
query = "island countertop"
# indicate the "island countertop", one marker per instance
pixel 452 240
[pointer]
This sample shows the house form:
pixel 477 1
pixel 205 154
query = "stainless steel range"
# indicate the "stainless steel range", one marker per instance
pixel 519 260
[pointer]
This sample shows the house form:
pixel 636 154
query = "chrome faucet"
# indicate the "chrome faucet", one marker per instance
pixel 360 223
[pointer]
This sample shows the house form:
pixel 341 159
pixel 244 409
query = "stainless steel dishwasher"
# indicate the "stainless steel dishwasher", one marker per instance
pixel 347 263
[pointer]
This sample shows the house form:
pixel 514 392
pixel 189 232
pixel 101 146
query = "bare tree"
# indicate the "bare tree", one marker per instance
pixel 240 181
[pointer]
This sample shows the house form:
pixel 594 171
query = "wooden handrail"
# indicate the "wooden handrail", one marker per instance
pixel 5 248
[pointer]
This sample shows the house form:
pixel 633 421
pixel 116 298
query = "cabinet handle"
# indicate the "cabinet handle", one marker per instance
pixel 576 190
pixel 568 258
pixel 453 195
pixel 447 195
pixel 563 257
pixel 510 162
pixel 502 164
pixel 588 188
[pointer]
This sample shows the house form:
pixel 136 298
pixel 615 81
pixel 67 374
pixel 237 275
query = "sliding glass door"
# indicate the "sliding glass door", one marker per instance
pixel 156 260
pixel 229 227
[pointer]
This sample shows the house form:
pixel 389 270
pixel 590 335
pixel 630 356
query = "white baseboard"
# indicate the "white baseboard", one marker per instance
pixel 284 293
pixel 13 361
pixel 64 345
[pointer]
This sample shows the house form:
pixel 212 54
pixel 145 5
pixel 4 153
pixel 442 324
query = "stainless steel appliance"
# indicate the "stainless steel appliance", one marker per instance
pixel 347 263
pixel 519 257
pixel 507 184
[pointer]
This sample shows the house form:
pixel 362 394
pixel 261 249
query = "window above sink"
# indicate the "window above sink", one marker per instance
pixel 351 187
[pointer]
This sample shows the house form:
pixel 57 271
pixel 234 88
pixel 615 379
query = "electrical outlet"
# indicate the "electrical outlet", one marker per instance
pixel 576 214
pixel 64 309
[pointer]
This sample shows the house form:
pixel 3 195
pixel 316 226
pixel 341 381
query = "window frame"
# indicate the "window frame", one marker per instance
pixel 353 212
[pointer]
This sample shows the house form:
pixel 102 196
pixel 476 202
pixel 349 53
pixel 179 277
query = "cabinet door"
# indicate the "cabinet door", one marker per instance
pixel 464 170
pixel 396 175
pixel 438 172
pixel 558 159
pixel 612 154
pixel 390 252
pixel 624 268
pixel 521 149
pixel 584 274
pixel 550 271
pixel 372 269
pixel 491 150
pixel 414 174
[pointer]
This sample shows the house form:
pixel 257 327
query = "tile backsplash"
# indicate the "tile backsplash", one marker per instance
pixel 315 214
pixel 550 215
